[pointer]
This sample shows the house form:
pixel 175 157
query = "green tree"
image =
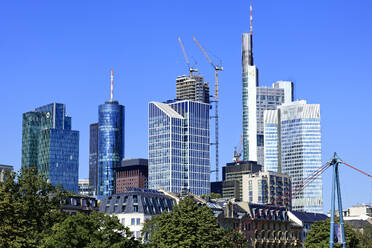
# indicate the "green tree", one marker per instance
pixel 93 231
pixel 237 239
pixel 318 236
pixel 365 237
pixel 187 225
pixel 212 196
pixel 29 206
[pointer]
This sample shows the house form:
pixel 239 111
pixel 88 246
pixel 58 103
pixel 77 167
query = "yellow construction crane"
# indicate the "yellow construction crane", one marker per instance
pixel 216 69
pixel 238 153
pixel 191 70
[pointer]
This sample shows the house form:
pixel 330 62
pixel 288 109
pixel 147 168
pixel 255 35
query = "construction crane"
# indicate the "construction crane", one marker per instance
pixel 216 69
pixel 237 153
pixel 191 70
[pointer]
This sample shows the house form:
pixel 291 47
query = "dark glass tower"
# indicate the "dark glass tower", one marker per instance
pixel 49 144
pixel 110 145
pixel 93 156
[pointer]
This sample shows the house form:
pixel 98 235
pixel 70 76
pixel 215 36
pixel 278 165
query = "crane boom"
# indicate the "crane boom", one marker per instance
pixel 191 70
pixel 184 51
pixel 205 54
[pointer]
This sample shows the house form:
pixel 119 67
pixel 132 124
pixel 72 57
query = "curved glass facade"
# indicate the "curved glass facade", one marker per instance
pixel 110 145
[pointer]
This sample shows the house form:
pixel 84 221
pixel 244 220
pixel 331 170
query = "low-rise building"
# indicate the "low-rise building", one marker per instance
pixel 305 220
pixel 79 204
pixel 267 188
pixel 356 212
pixel 262 225
pixel 135 205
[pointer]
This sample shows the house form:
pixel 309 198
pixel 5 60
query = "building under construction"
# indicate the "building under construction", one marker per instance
pixel 192 88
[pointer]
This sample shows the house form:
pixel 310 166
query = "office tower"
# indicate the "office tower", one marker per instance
pixel 93 156
pixel 257 99
pixel 216 187
pixel 250 82
pixel 49 144
pixel 132 173
pixel 192 88
pixel 267 188
pixel 287 86
pixel 4 168
pixel 111 118
pixel 293 146
pixel 232 176
pixel 269 99
pixel 179 146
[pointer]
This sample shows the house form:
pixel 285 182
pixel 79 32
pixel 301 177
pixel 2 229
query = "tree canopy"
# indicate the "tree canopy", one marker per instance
pixel 29 206
pixel 93 231
pixel 31 216
pixel 318 236
pixel 187 225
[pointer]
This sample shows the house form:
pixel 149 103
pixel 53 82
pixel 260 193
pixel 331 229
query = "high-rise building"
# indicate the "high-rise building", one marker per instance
pixel 110 146
pixel 4 168
pixel 132 173
pixel 269 99
pixel 49 144
pixel 250 83
pixel 257 99
pixel 111 117
pixel 232 176
pixel 293 146
pixel 267 188
pixel 192 88
pixel 93 156
pixel 179 146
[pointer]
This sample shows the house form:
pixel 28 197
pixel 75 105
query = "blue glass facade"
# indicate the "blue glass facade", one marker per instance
pixel 179 146
pixel 93 156
pixel 49 144
pixel 293 146
pixel 110 146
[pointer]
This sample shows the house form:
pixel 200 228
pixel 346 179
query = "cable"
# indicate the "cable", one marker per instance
pixel 365 173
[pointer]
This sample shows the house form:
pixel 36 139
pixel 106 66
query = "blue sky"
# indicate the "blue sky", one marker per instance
pixel 62 51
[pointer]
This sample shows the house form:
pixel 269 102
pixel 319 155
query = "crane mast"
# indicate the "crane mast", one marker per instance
pixel 216 70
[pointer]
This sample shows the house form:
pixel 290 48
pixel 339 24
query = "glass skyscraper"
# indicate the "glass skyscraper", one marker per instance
pixel 293 146
pixel 93 156
pixel 179 146
pixel 110 145
pixel 49 144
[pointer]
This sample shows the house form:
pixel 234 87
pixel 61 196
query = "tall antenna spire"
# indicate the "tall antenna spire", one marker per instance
pixel 251 19
pixel 112 85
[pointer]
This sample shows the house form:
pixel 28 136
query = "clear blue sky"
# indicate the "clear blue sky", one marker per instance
pixel 62 51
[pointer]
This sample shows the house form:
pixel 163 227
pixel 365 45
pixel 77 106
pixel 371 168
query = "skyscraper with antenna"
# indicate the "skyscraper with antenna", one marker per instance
pixel 111 118
pixel 250 82
pixel 257 99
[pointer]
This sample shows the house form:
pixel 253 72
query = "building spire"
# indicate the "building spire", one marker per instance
pixel 112 86
pixel 251 20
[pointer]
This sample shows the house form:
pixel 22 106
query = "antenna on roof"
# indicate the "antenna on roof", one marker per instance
pixel 112 85
pixel 251 19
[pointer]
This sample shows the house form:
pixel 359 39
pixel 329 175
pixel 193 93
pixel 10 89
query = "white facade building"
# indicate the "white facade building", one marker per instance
pixel 267 188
